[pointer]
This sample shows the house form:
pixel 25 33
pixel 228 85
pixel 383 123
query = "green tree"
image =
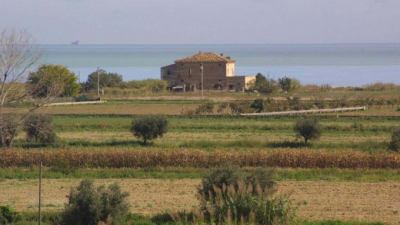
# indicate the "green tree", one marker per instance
pixel 288 84
pixel 308 129
pixel 395 141
pixel 258 105
pixel 149 128
pixel 88 205
pixel 264 85
pixel 49 79
pixel 39 129
pixel 106 80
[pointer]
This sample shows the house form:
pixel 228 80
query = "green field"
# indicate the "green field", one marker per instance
pixel 368 134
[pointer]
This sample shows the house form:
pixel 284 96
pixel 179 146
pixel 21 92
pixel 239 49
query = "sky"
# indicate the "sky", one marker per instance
pixel 204 21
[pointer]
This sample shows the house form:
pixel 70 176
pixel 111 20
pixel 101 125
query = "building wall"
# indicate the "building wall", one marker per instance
pixel 249 80
pixel 217 76
pixel 236 83
pixel 240 83
pixel 168 73
pixel 189 74
pixel 230 69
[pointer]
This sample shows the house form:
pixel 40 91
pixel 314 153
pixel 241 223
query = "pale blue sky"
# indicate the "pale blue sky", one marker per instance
pixel 204 21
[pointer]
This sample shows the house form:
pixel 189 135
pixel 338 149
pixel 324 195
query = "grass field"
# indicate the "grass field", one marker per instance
pixel 368 134
pixel 281 174
pixel 316 200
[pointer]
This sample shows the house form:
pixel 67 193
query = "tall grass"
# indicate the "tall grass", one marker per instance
pixel 199 159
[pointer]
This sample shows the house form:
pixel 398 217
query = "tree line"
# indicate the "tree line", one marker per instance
pixel 49 74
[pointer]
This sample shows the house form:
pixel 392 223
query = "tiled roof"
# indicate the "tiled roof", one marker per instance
pixel 206 57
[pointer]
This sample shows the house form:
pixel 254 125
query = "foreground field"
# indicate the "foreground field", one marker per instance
pixel 317 200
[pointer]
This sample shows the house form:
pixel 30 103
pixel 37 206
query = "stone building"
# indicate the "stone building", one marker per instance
pixel 216 70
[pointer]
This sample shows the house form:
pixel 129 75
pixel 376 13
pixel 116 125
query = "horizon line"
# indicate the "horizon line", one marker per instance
pixel 308 43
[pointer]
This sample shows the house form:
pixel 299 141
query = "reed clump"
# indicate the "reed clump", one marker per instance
pixel 229 197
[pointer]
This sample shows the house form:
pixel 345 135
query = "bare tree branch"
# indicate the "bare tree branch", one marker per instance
pixel 17 56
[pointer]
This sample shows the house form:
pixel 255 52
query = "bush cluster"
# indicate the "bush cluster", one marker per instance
pixel 39 129
pixel 7 215
pixel 8 129
pixel 227 196
pixel 149 85
pixel 267 86
pixel 88 205
pixel 395 141
pixel 276 105
pixel 258 105
pixel 204 109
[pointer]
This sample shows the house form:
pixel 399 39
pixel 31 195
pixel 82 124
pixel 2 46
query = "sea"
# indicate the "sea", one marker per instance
pixel 321 64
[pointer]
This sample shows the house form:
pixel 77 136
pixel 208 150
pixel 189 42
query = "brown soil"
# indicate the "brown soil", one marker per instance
pixel 316 200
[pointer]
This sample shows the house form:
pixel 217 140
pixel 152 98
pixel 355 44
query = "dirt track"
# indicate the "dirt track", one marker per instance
pixel 317 200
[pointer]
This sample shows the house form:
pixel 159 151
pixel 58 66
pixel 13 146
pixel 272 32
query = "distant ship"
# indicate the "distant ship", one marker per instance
pixel 75 42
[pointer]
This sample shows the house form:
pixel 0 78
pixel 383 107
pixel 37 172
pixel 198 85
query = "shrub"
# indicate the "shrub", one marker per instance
pixel 149 85
pixel 395 142
pixel 88 205
pixel 288 84
pixel 235 108
pixel 81 98
pixel 320 103
pixel 149 128
pixel 381 86
pixel 7 215
pixel 206 108
pixel 264 85
pixel 39 129
pixel 161 219
pixel 239 107
pixel 258 105
pixel 294 103
pixel 222 107
pixel 227 197
pixel 308 129
pixel 8 130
